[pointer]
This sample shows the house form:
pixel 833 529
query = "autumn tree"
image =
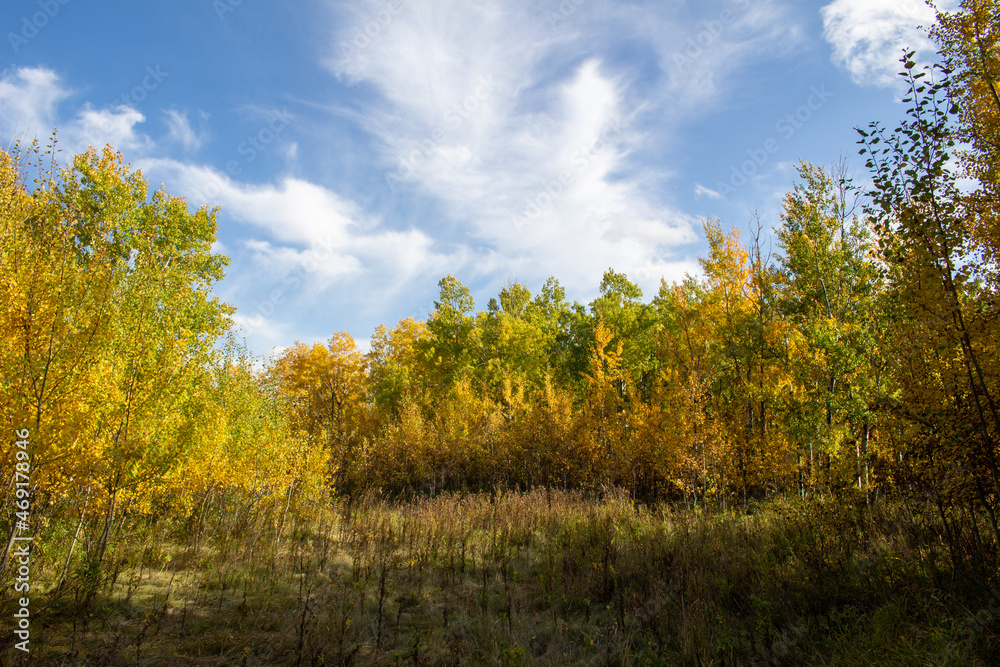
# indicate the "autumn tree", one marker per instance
pixel 970 44
pixel 396 366
pixel 110 314
pixel 926 231
pixel 325 387
pixel 513 349
pixel 730 310
pixel 685 347
pixel 243 462
pixel 605 405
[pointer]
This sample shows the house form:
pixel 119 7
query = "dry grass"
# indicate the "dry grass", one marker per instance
pixel 538 578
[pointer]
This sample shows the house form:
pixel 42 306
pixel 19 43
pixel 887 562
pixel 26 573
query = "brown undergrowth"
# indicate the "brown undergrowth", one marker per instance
pixel 536 578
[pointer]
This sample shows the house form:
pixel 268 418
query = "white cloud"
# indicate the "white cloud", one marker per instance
pixel 29 100
pixel 29 97
pixel 260 331
pixel 533 154
pixel 301 251
pixel 98 127
pixel 703 59
pixel 869 36
pixel 700 190
pixel 310 230
pixel 181 130
pixel 324 263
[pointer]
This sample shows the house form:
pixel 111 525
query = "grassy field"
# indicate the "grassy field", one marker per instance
pixel 537 578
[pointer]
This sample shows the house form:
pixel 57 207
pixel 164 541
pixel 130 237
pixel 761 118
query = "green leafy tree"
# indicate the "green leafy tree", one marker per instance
pixel 453 344
pixel 633 325
pixel 831 290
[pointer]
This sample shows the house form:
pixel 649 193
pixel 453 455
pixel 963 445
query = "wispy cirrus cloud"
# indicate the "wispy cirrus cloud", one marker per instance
pixel 181 131
pixel 534 153
pixel 703 191
pixel 869 36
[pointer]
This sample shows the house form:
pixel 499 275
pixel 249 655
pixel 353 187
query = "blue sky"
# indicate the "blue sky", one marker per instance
pixel 360 151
